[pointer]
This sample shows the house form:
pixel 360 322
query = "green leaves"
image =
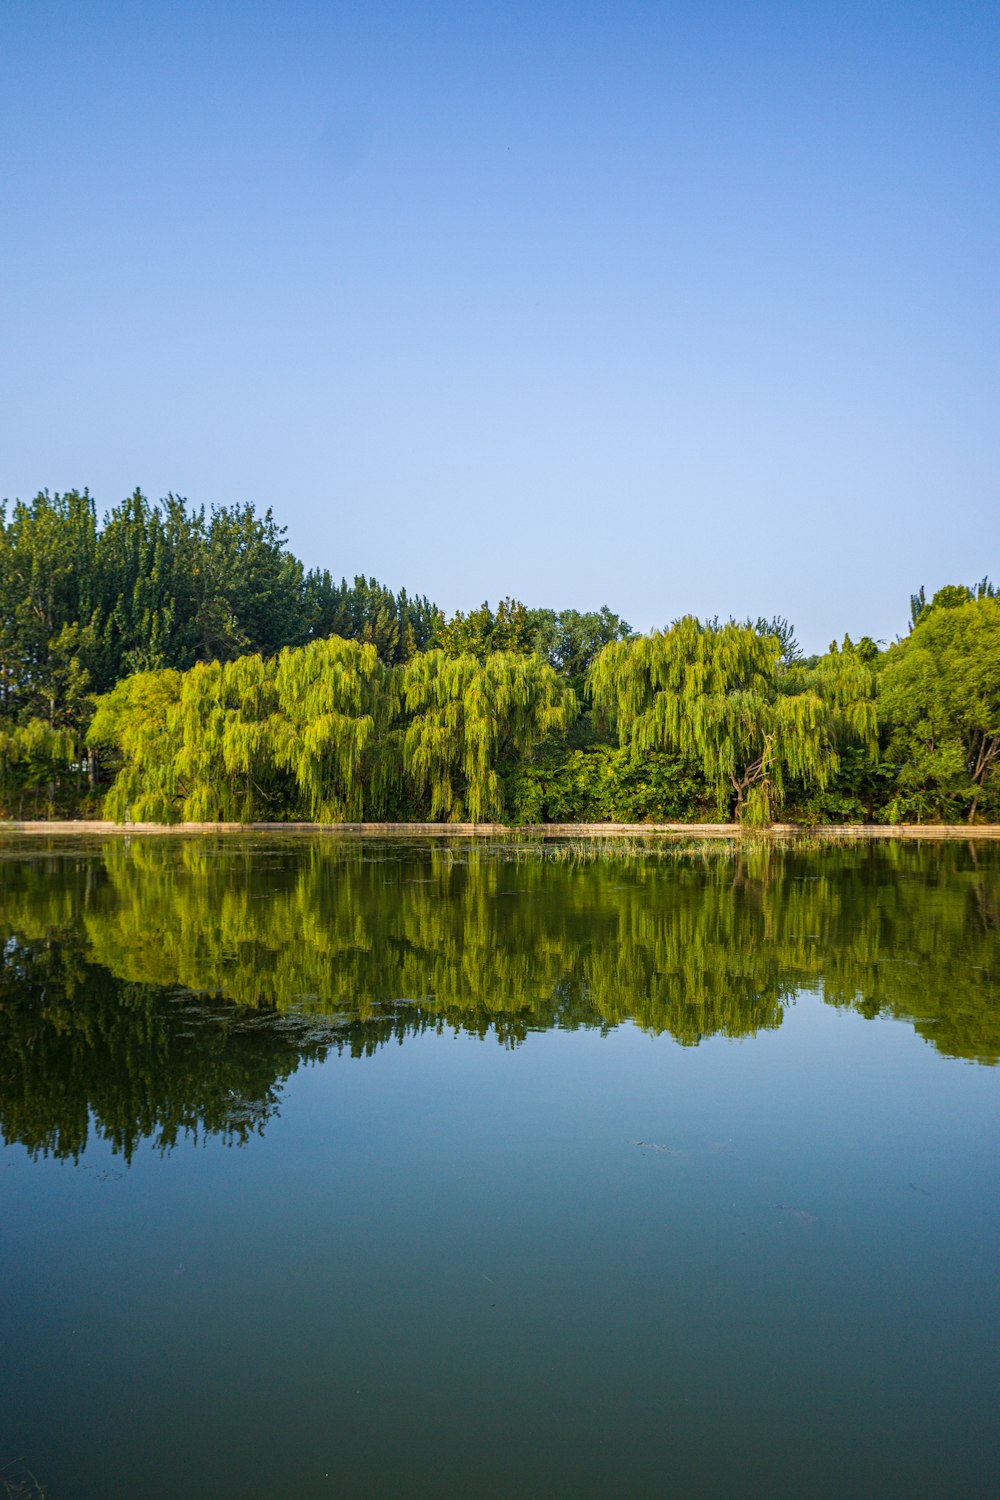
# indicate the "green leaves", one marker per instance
pixel 396 625
pixel 211 744
pixel 719 695
pixel 333 727
pixel 137 723
pixel 940 697
pixel 470 715
pixel 481 633
pixel 604 784
pixel 33 758
pixel 372 722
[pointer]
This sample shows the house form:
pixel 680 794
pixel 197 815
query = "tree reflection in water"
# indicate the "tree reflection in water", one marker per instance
pixel 169 987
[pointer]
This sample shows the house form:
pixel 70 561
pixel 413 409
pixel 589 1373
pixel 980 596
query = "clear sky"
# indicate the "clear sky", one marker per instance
pixel 675 307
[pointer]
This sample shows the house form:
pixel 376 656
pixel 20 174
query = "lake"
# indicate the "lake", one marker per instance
pixel 411 1169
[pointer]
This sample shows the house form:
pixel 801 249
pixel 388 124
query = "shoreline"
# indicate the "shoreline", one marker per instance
pixel 525 830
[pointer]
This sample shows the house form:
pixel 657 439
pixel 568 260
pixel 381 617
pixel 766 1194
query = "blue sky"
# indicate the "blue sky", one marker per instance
pixel 675 307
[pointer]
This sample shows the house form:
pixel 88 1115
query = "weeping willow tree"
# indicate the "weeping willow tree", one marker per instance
pixel 231 741
pixel 333 729
pixel 468 716
pixel 721 695
pixel 223 761
pixel 194 746
pixel 845 680
pixel 135 724
pixel 33 758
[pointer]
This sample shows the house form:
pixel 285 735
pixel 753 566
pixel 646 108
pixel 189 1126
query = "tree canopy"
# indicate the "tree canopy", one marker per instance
pixel 940 693
pixel 718 693
pixel 467 714
pixel 178 661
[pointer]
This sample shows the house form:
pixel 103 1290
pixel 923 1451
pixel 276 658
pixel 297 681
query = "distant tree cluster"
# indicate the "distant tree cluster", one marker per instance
pixel 172 664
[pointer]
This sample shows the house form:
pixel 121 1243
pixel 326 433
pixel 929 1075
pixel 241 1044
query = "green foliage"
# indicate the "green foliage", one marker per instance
pixel 192 746
pixel 307 731
pixel 34 757
pixel 951 596
pixel 134 726
pixel 481 633
pixel 218 732
pixel 844 680
pixel 716 694
pixel 165 588
pixel 469 716
pixel 333 727
pixel 155 586
pixel 939 696
pixel 148 566
pixel 396 625
pixel 606 784
pixel 857 791
pixel 569 640
pixel 250 594
pixel 47 578
pixel 784 633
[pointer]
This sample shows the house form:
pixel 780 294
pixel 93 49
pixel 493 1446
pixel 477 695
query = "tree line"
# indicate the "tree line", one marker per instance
pixel 172 664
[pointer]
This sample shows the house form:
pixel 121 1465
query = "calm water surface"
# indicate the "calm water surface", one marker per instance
pixel 388 1170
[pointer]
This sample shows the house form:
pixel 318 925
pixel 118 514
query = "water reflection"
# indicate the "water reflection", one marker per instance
pixel 171 986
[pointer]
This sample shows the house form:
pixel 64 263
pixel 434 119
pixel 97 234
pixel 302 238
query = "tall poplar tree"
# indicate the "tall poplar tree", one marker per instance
pixel 397 625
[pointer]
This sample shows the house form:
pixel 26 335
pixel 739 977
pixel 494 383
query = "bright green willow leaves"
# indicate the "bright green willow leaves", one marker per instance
pixel 33 755
pixel 331 733
pixel 467 714
pixel 193 745
pixel 215 743
pixel 137 721
pixel 721 695
pixel 319 732
pixel 223 755
pixel 337 704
